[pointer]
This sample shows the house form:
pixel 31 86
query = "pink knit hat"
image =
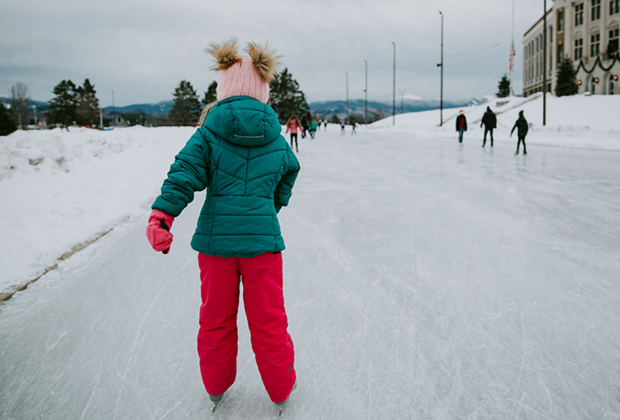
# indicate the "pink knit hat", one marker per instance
pixel 242 79
pixel 243 76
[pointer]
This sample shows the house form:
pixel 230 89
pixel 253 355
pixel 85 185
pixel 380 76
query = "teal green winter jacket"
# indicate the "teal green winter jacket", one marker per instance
pixel 249 171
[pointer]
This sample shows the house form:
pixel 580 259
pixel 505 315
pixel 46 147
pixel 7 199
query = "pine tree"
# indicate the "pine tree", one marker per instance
pixel 287 99
pixel 566 82
pixel 87 110
pixel 7 121
pixel 210 94
pixel 64 104
pixel 503 87
pixel 186 108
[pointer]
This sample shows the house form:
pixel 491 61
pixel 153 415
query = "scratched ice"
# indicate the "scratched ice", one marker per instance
pixel 423 280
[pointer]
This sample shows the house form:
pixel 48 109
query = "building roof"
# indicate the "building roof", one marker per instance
pixel 537 22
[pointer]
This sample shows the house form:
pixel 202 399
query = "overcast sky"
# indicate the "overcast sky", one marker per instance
pixel 142 49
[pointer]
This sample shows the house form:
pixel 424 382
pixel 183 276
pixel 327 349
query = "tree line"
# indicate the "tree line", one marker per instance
pixel 78 105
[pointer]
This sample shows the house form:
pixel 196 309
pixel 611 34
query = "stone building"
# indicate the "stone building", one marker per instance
pixel 586 32
pixel 533 43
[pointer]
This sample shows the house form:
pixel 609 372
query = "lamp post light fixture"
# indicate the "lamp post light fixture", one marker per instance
pixel 579 82
pixel 596 80
pixel 441 82
pixel 394 89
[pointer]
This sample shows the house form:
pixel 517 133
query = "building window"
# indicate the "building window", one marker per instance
pixel 595 45
pixel 579 49
pixel 551 34
pixel 612 47
pixel 560 20
pixel 560 53
pixel 596 9
pixel 579 14
pixel 614 7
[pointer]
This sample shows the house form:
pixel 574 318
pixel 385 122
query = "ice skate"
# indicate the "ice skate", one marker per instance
pixel 280 405
pixel 216 400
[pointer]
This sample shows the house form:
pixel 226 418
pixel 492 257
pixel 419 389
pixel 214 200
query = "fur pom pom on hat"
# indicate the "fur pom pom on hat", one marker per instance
pixel 243 76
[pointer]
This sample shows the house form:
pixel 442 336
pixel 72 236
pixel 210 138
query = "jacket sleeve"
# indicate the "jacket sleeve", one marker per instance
pixel 513 128
pixel 187 175
pixel 284 189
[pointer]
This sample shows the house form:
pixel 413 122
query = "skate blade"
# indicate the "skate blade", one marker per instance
pixel 214 408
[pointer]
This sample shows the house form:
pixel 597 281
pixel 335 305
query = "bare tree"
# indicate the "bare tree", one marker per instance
pixel 20 99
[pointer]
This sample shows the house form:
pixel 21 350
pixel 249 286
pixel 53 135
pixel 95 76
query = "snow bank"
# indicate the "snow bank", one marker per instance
pixel 581 121
pixel 60 189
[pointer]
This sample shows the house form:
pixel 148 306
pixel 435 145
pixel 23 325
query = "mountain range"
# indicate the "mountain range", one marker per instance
pixel 320 109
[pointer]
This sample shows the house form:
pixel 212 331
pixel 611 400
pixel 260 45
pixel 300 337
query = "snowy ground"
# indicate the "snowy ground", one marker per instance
pixel 423 279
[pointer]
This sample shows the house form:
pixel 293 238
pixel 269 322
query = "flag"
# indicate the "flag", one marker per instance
pixel 512 59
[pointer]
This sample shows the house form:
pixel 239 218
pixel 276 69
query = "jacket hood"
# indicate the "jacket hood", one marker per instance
pixel 244 121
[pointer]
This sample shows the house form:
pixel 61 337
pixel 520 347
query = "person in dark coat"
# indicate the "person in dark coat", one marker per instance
pixel 304 127
pixel 522 126
pixel 490 122
pixel 461 125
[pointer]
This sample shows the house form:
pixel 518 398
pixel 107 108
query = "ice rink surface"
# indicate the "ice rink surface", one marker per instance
pixel 423 280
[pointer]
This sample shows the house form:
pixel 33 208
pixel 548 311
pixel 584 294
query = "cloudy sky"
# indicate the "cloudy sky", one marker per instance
pixel 142 49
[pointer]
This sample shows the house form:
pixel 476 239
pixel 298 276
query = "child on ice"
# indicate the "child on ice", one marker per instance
pixel 248 170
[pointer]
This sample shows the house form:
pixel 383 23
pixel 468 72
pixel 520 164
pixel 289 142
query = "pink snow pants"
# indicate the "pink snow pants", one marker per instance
pixel 264 306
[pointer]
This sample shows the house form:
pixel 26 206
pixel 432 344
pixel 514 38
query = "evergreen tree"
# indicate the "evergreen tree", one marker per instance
pixel 287 99
pixel 186 108
pixel 504 87
pixel 7 121
pixel 210 94
pixel 64 104
pixel 566 82
pixel 87 110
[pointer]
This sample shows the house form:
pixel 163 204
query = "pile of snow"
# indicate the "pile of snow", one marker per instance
pixel 61 189
pixel 582 121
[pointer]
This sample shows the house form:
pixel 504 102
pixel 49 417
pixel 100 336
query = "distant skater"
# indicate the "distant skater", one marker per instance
pixel 353 125
pixel 522 127
pixel 312 129
pixel 489 120
pixel 237 237
pixel 461 125
pixel 325 124
pixel 304 127
pixel 293 124
pixel 342 124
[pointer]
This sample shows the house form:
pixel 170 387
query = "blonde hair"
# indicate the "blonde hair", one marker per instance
pixel 205 112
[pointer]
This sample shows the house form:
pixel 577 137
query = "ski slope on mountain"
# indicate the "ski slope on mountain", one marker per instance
pixel 423 279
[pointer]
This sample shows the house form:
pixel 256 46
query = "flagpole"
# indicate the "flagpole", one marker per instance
pixel 512 49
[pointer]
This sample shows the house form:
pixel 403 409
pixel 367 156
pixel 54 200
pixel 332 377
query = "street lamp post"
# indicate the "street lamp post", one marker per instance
pixel 441 82
pixel 402 91
pixel 394 89
pixel 366 93
pixel 347 94
pixel 34 108
pixel 545 64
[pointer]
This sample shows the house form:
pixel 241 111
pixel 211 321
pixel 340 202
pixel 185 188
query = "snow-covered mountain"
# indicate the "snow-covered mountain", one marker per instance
pixel 378 110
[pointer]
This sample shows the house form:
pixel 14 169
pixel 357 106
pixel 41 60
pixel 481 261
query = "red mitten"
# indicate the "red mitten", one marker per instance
pixel 158 231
